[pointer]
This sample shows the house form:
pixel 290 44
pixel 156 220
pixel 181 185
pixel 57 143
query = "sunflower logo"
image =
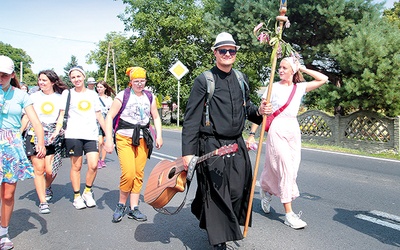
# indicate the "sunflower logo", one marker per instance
pixel 47 108
pixel 84 105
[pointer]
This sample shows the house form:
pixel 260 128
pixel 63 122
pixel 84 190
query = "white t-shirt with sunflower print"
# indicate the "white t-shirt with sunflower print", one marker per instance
pixel 82 114
pixel 47 107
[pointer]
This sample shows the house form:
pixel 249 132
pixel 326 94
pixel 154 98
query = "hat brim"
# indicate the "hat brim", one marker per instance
pixel 7 71
pixel 220 44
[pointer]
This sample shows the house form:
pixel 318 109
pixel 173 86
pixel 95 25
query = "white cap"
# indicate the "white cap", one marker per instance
pixel 91 80
pixel 6 65
pixel 224 39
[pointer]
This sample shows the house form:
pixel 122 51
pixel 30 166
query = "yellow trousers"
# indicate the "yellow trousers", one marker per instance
pixel 132 161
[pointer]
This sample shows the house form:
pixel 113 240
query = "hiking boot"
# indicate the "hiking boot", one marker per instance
pixel 265 201
pixel 119 213
pixel 44 208
pixel 79 203
pixel 136 214
pixel 293 220
pixel 88 198
pixel 49 194
pixel 5 242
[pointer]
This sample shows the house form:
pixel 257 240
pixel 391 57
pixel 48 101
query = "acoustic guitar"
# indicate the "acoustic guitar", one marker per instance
pixel 169 177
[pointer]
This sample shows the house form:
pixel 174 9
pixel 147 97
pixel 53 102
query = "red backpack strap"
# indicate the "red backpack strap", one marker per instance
pixel 277 112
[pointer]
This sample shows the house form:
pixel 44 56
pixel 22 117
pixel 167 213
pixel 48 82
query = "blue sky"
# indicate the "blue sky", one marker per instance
pixel 50 31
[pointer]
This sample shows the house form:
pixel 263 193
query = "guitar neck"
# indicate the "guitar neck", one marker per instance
pixel 207 156
pixel 224 150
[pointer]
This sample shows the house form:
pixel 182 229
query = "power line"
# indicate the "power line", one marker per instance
pixel 53 37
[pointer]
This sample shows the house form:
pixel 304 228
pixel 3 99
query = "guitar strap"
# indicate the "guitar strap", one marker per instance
pixel 191 168
pixel 166 212
pixel 189 176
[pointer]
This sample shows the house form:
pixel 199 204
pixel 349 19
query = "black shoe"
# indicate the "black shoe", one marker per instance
pixel 136 215
pixel 119 213
pixel 220 246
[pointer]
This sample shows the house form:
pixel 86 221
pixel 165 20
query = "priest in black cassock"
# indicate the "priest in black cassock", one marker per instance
pixel 224 182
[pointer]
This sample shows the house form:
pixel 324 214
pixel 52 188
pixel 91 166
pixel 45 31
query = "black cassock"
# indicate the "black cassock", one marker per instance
pixel 224 183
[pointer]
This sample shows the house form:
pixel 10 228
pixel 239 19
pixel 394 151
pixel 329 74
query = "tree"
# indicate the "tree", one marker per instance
pixel 369 60
pixel 71 64
pixel 393 14
pixel 121 45
pixel 164 32
pixel 239 18
pixel 316 26
pixel 20 56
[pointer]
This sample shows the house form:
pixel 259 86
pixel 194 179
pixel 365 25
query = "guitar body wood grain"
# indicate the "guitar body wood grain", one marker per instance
pixel 166 179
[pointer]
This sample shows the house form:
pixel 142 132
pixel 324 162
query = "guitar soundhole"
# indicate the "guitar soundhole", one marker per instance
pixel 171 173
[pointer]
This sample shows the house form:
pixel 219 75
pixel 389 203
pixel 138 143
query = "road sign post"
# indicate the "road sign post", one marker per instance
pixel 179 70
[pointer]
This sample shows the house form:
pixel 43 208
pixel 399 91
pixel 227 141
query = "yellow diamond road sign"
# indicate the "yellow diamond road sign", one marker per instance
pixel 178 70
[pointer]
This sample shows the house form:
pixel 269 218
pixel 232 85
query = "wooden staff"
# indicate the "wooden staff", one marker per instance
pixel 282 19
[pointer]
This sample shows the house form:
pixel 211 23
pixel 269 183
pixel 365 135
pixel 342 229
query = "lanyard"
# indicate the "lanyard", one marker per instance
pixel 5 95
pixel 140 105
pixel 3 105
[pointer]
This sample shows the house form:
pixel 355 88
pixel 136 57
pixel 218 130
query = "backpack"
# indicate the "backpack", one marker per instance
pixel 127 93
pixel 211 86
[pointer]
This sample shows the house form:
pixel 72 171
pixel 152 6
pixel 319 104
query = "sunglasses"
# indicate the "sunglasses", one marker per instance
pixel 222 52
pixel 139 82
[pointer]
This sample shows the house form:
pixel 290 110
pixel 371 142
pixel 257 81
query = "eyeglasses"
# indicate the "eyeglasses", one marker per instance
pixel 222 52
pixel 139 82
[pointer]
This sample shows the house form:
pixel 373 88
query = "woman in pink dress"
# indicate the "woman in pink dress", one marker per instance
pixel 283 145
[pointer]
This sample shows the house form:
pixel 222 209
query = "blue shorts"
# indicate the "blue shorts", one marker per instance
pixel 78 147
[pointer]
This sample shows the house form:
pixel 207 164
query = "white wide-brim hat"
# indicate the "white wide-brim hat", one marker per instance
pixel 224 39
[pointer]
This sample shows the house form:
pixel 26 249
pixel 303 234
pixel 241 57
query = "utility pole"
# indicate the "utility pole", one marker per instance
pixel 108 56
pixel 21 72
pixel 115 72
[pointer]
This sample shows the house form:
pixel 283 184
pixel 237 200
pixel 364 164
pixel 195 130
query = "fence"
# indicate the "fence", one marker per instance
pixel 366 130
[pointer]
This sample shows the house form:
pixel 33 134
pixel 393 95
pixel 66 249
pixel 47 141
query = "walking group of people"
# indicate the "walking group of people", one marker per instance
pixel 35 129
pixel 94 124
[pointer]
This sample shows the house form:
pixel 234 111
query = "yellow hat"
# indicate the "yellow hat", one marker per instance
pixel 136 72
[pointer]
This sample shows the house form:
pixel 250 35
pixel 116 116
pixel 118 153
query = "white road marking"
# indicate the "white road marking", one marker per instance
pixel 386 215
pixel 154 156
pixel 352 155
pixel 381 222
pixel 162 156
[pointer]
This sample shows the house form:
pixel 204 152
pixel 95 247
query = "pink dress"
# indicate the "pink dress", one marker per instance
pixel 283 145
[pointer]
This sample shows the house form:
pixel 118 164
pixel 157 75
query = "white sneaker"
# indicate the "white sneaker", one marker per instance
pixel 293 220
pixel 79 203
pixel 88 198
pixel 44 208
pixel 5 242
pixel 265 201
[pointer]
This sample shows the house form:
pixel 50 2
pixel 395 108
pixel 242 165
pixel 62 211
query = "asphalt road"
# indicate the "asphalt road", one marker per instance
pixel 349 202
